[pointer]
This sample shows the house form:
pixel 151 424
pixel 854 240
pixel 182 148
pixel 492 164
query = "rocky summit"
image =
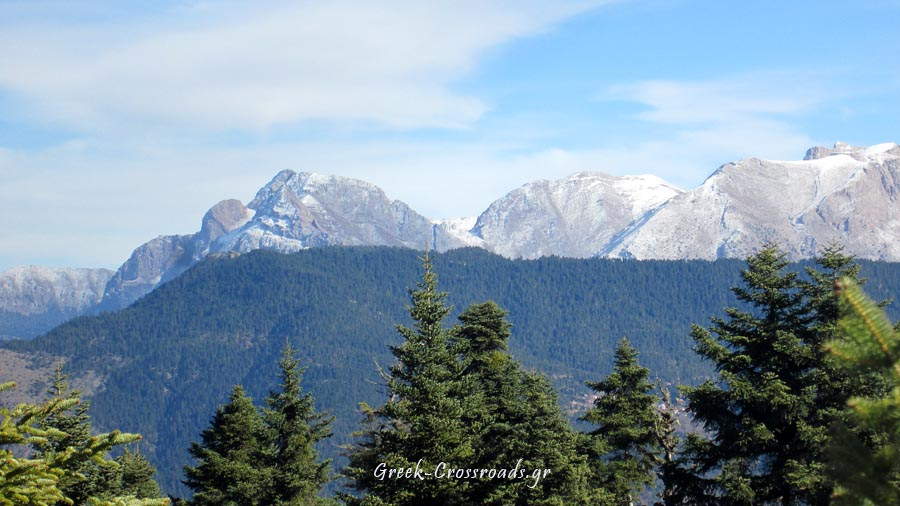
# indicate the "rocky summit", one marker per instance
pixel 844 194
pixel 572 217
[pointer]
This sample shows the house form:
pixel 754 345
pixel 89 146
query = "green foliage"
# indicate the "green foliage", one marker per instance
pixel 135 477
pixel 769 414
pixel 756 411
pixel 127 501
pixel 624 446
pixel 87 476
pixel 515 418
pixel 421 425
pixel 29 481
pixel 267 457
pixel 228 470
pixel 40 481
pixel 295 428
pixel 867 343
pixel 170 359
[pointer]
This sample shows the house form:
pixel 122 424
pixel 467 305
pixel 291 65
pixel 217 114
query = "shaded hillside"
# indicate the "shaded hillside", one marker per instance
pixel 169 359
pixel 19 326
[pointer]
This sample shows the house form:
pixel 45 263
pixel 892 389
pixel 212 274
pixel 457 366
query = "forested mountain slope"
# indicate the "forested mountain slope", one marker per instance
pixel 161 366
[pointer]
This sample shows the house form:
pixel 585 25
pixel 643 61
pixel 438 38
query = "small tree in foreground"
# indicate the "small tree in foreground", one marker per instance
pixel 228 470
pixel 36 481
pixel 136 476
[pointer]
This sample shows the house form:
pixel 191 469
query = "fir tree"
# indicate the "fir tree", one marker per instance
pixel 835 384
pixel 514 416
pixel 867 343
pixel 624 447
pixel 757 413
pixel 231 457
pixel 422 423
pixel 87 475
pixel 776 397
pixel 136 476
pixel 37 481
pixel 296 428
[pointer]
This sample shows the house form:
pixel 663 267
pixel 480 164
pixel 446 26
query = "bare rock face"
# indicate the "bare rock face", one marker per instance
pixel 572 217
pixel 150 264
pixel 165 257
pixel 845 195
pixel 222 218
pixel 298 210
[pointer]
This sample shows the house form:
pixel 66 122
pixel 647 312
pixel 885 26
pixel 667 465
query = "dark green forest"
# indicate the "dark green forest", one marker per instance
pixel 170 359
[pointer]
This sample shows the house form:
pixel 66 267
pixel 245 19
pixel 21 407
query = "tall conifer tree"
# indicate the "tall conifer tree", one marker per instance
pixel 231 457
pixel 296 427
pixel 624 446
pixel 422 423
pixel 515 415
pixel 769 413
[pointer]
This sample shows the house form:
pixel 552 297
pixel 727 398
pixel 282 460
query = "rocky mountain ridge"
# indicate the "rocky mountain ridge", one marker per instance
pixel 34 299
pixel 32 289
pixel 571 217
pixel 846 195
pixel 843 194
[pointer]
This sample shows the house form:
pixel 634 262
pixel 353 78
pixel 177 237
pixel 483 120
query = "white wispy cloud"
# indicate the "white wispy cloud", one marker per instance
pixel 723 101
pixel 230 65
pixel 712 121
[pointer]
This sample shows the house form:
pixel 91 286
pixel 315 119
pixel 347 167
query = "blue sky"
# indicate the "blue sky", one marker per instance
pixel 119 122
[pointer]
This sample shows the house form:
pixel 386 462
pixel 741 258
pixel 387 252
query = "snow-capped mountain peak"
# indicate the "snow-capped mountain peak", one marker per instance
pixel 461 230
pixel 845 194
pixel 298 210
pixel 573 216
pixel 32 289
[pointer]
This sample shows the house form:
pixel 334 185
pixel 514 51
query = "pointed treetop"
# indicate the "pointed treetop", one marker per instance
pixel 290 370
pixel 428 307
pixel 59 383
pixel 626 354
pixel 429 277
